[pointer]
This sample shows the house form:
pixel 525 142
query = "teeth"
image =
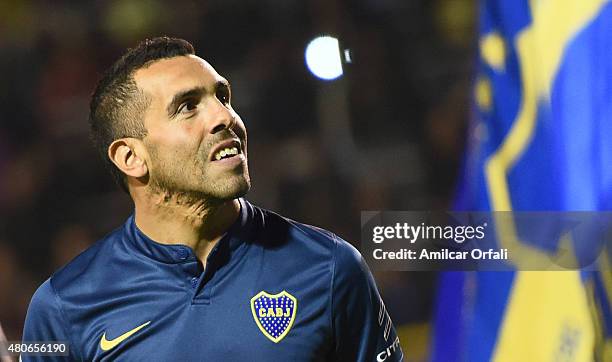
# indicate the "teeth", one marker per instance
pixel 226 152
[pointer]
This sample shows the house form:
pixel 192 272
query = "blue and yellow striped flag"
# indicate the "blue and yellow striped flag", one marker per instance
pixel 540 140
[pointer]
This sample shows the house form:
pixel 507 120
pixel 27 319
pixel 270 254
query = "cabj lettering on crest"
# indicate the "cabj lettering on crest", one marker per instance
pixel 271 312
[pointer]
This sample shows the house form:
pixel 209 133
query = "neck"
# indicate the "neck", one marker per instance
pixel 181 219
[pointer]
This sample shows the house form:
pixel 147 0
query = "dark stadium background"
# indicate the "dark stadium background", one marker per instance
pixel 407 98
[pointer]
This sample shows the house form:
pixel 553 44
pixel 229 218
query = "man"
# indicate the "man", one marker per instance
pixel 197 273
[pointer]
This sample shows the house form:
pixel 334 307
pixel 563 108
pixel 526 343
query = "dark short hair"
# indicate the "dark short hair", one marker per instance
pixel 117 106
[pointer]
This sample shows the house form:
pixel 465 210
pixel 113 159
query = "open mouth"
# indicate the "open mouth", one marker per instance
pixel 226 153
pixel 225 150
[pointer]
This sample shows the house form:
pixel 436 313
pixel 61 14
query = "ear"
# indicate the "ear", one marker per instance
pixel 128 157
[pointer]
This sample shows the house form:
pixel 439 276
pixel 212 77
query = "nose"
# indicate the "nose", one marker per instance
pixel 222 117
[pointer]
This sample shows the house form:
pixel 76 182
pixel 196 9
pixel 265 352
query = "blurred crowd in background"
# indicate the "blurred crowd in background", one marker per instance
pixel 407 95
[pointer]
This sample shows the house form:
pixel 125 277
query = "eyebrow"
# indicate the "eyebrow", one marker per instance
pixel 195 92
pixel 181 96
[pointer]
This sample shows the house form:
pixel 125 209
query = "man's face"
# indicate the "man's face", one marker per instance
pixel 196 142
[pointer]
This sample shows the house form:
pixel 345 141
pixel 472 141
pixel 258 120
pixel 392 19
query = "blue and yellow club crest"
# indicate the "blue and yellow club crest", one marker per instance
pixel 274 313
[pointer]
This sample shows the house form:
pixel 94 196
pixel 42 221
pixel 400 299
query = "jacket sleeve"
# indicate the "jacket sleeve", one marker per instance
pixel 45 323
pixel 362 327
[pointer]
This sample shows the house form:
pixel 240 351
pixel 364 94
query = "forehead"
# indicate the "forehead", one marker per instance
pixel 164 78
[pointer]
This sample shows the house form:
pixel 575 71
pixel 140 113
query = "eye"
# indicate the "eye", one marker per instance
pixel 188 107
pixel 223 96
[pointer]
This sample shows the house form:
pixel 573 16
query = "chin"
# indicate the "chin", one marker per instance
pixel 232 189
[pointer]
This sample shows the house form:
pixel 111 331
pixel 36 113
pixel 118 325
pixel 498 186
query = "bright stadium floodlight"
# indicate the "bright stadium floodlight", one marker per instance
pixel 323 58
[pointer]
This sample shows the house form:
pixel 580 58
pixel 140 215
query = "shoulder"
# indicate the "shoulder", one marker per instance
pixel 44 298
pixel 278 229
pixel 72 274
pixel 46 321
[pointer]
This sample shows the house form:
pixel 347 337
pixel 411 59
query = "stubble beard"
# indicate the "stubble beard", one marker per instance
pixel 193 183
